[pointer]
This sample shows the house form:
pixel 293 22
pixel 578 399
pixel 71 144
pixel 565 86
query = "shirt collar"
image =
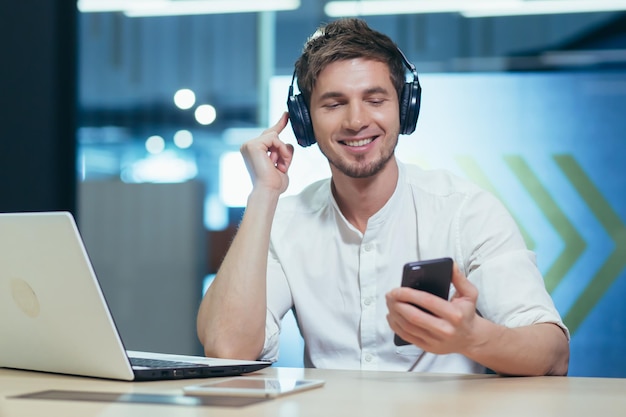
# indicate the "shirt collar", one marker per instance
pixel 382 215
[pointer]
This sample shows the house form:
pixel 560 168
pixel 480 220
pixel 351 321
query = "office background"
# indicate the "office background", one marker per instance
pixel 530 107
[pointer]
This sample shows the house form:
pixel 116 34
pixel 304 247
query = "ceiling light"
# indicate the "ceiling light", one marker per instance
pixel 140 8
pixel 95 6
pixel 183 139
pixel 371 7
pixel 205 114
pixel 155 144
pixel 184 98
pixel 542 7
pixel 470 8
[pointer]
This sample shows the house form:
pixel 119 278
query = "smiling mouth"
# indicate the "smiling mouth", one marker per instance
pixel 360 142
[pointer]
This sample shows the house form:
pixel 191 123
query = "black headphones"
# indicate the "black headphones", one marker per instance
pixel 410 100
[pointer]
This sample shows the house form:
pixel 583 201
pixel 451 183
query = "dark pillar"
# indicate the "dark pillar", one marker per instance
pixel 37 105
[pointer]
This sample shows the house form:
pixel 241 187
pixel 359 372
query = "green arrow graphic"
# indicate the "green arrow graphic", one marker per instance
pixel 613 225
pixel 473 171
pixel 574 243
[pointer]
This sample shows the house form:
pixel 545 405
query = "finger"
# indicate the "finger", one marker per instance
pixel 400 294
pixel 430 317
pixel 415 335
pixel 274 156
pixel 286 156
pixel 399 326
pixel 463 286
pixel 279 126
pixel 420 298
pixel 406 313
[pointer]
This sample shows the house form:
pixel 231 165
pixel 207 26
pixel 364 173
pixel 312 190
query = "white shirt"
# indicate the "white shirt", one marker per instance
pixel 335 277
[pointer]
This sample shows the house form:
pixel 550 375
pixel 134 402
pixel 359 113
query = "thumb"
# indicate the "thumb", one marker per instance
pixel 462 285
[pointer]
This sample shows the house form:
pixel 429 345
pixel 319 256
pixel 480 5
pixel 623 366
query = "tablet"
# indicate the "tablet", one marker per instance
pixel 253 387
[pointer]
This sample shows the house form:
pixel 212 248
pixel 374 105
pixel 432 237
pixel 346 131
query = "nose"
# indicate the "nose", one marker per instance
pixel 356 117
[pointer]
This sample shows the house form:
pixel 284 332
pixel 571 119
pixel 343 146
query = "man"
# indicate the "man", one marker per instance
pixel 334 253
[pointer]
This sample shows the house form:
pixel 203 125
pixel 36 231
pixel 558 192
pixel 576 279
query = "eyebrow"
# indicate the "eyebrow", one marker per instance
pixel 369 91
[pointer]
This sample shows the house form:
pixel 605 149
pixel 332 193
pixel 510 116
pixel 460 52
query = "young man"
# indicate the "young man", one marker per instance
pixel 334 253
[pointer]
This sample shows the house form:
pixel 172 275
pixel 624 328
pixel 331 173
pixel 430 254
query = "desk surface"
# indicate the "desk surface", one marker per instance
pixel 346 393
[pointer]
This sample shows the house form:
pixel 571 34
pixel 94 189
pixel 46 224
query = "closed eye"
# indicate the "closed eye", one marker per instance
pixel 332 105
pixel 377 101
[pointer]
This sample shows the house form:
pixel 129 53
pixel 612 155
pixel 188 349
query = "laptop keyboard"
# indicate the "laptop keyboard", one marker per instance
pixel 161 363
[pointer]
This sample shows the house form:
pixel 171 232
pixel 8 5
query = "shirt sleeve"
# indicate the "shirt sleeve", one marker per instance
pixel 511 289
pixel 279 302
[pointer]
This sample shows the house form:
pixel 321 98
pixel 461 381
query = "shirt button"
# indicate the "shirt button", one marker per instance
pixel 368 358
pixel 368 247
pixel 367 301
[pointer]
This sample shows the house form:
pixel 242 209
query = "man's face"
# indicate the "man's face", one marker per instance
pixel 355 116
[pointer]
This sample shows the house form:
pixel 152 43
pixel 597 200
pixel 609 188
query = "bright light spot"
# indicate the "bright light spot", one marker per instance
pixel 183 139
pixel 165 167
pixel 215 213
pixel 205 114
pixel 184 98
pixel 155 144
pixel 235 184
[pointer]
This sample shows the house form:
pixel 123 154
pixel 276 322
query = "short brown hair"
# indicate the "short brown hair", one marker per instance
pixel 344 39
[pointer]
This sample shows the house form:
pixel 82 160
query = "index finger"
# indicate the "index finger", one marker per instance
pixel 280 125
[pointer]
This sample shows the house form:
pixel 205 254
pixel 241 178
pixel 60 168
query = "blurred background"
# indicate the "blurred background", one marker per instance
pixel 130 114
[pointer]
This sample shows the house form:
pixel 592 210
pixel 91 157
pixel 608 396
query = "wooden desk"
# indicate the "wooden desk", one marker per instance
pixel 346 394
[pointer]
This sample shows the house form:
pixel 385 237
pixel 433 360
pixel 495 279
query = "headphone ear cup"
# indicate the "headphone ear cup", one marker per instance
pixel 300 120
pixel 410 107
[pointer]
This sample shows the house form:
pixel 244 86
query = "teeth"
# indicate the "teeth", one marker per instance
pixel 361 142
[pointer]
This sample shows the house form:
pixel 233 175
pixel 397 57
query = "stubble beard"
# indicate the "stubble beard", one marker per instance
pixel 360 169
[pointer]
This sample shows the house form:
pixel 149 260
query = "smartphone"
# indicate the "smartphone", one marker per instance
pixel 433 276
pixel 243 386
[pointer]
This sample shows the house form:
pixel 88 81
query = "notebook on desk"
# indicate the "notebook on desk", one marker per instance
pixel 54 317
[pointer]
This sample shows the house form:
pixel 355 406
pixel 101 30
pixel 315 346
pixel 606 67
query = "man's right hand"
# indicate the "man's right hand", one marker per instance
pixel 231 318
pixel 267 158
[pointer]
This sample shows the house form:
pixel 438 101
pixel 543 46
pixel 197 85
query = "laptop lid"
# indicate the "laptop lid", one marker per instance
pixel 53 315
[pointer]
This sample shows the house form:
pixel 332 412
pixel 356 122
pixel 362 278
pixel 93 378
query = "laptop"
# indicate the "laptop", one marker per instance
pixel 54 317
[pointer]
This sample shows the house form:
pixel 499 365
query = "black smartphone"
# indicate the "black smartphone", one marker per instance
pixel 433 276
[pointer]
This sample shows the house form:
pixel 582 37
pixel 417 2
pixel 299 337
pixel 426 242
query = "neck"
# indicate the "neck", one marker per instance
pixel 360 198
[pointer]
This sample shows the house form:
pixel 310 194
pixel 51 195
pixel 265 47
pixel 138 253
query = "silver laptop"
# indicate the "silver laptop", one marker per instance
pixel 54 318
